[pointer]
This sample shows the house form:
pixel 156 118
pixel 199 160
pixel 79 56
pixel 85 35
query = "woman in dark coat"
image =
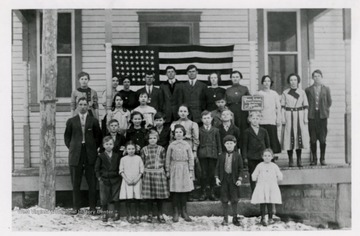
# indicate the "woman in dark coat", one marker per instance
pixel 214 91
pixel 233 96
pixel 131 99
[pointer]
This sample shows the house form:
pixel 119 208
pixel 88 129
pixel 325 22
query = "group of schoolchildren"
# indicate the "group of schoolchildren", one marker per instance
pixel 143 159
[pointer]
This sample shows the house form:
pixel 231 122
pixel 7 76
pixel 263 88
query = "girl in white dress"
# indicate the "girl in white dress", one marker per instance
pixel 131 169
pixel 267 191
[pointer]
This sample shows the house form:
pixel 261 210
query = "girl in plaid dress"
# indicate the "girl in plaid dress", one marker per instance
pixel 155 187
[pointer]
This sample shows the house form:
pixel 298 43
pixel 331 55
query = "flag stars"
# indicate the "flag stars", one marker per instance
pixel 130 52
pixel 147 51
pixel 152 52
pixel 116 62
pixel 136 51
pixel 126 63
pixel 141 51
pixel 125 51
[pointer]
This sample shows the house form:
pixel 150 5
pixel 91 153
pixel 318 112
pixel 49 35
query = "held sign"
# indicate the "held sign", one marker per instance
pixel 252 103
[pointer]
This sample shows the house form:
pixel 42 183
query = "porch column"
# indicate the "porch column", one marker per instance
pixel 252 49
pixel 108 73
pixel 347 44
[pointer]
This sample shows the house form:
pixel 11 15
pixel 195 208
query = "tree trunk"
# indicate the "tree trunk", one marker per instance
pixel 48 111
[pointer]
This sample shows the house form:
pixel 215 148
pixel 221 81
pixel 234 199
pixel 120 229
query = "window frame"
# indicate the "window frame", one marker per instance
pixel 72 54
pixel 298 53
pixel 169 18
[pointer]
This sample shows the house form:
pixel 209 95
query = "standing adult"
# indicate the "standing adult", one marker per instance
pixel 233 96
pixel 171 95
pixel 319 105
pixel 271 114
pixel 83 137
pixel 214 92
pixel 131 99
pixel 294 106
pixel 114 89
pixel 194 94
pixel 154 94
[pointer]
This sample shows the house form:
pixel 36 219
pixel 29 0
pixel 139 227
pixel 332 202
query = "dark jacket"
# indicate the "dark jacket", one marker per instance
pixel 155 97
pixel 120 141
pixel 195 98
pixel 236 167
pixel 106 169
pixel 254 145
pixel 164 137
pixel 233 130
pixel 324 101
pixel 171 100
pixel 73 138
pixel 210 144
pixel 138 136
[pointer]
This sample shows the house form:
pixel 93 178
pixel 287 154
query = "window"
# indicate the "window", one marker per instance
pixel 65 54
pixel 169 28
pixel 281 46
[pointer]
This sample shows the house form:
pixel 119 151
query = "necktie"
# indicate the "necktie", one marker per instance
pixel 191 83
pixel 83 127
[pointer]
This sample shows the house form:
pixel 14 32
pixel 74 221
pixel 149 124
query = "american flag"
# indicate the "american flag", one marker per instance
pixel 134 61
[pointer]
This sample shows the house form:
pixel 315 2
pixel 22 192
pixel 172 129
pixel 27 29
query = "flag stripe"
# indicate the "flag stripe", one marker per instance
pixel 225 80
pixel 176 55
pixel 213 67
pixel 195 60
pixel 201 71
pixel 196 48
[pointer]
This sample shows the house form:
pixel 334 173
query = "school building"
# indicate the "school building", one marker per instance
pixel 266 41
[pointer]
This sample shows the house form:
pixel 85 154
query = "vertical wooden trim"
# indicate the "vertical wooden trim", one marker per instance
pixel 78 44
pixel 108 26
pixel 261 52
pixel 33 59
pixel 196 33
pixel 304 49
pixel 254 84
pixel 143 33
pixel 347 23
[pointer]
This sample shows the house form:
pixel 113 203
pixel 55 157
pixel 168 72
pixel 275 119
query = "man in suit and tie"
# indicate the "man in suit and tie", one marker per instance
pixel 154 93
pixel 83 137
pixel 320 101
pixel 194 94
pixel 172 95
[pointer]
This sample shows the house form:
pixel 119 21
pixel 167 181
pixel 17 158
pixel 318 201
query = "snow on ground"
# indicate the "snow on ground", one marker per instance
pixel 38 219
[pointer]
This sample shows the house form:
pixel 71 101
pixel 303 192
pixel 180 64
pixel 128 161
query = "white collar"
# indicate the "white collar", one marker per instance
pixel 194 81
pixel 85 115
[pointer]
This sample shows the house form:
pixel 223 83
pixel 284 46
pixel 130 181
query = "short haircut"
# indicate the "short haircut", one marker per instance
pixel 144 93
pixel 130 143
pixel 267 76
pixel 205 113
pixel 317 72
pixel 159 115
pixel 82 99
pixel 169 68
pixel 218 76
pixel 227 110
pixel 125 78
pixel 178 126
pixel 297 77
pixel 113 121
pixel 190 67
pixel 152 132
pixel 107 139
pixel 82 73
pixel 228 138
pixel 149 73
pixel 116 79
pixel 134 113
pixel 236 72
pixel 252 113
pixel 220 96
pixel 268 150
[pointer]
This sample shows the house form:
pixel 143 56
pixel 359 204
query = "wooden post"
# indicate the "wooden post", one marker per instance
pixel 108 51
pixel 48 111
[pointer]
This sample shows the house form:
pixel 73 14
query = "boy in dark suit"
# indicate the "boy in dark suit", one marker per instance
pixel 163 129
pixel 154 94
pixel 208 151
pixel 256 140
pixel 82 137
pixel 171 95
pixel 228 128
pixel 228 175
pixel 107 172
pixel 194 94
pixel 119 139
pixel 320 101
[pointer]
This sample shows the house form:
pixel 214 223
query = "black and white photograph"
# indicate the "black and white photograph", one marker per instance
pixel 168 117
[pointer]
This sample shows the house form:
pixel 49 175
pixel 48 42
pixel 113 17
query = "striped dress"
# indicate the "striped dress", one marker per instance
pixel 154 179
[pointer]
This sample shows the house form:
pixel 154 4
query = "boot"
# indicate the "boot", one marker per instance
pixel 291 160
pixel 212 194
pixel 128 211
pixel 176 214
pixel 322 154
pixel 225 221
pixel 313 152
pixel 184 213
pixel 137 215
pixel 104 217
pixel 203 195
pixel 235 220
pixel 298 158
pixel 117 214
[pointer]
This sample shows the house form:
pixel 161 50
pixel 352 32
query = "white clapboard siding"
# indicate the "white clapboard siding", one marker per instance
pixel 330 58
pixel 18 90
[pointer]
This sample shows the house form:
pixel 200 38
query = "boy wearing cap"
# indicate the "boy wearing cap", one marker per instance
pixel 228 172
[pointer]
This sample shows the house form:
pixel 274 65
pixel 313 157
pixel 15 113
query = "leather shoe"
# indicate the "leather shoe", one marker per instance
pixel 322 162
pixel 236 221
pixel 74 212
